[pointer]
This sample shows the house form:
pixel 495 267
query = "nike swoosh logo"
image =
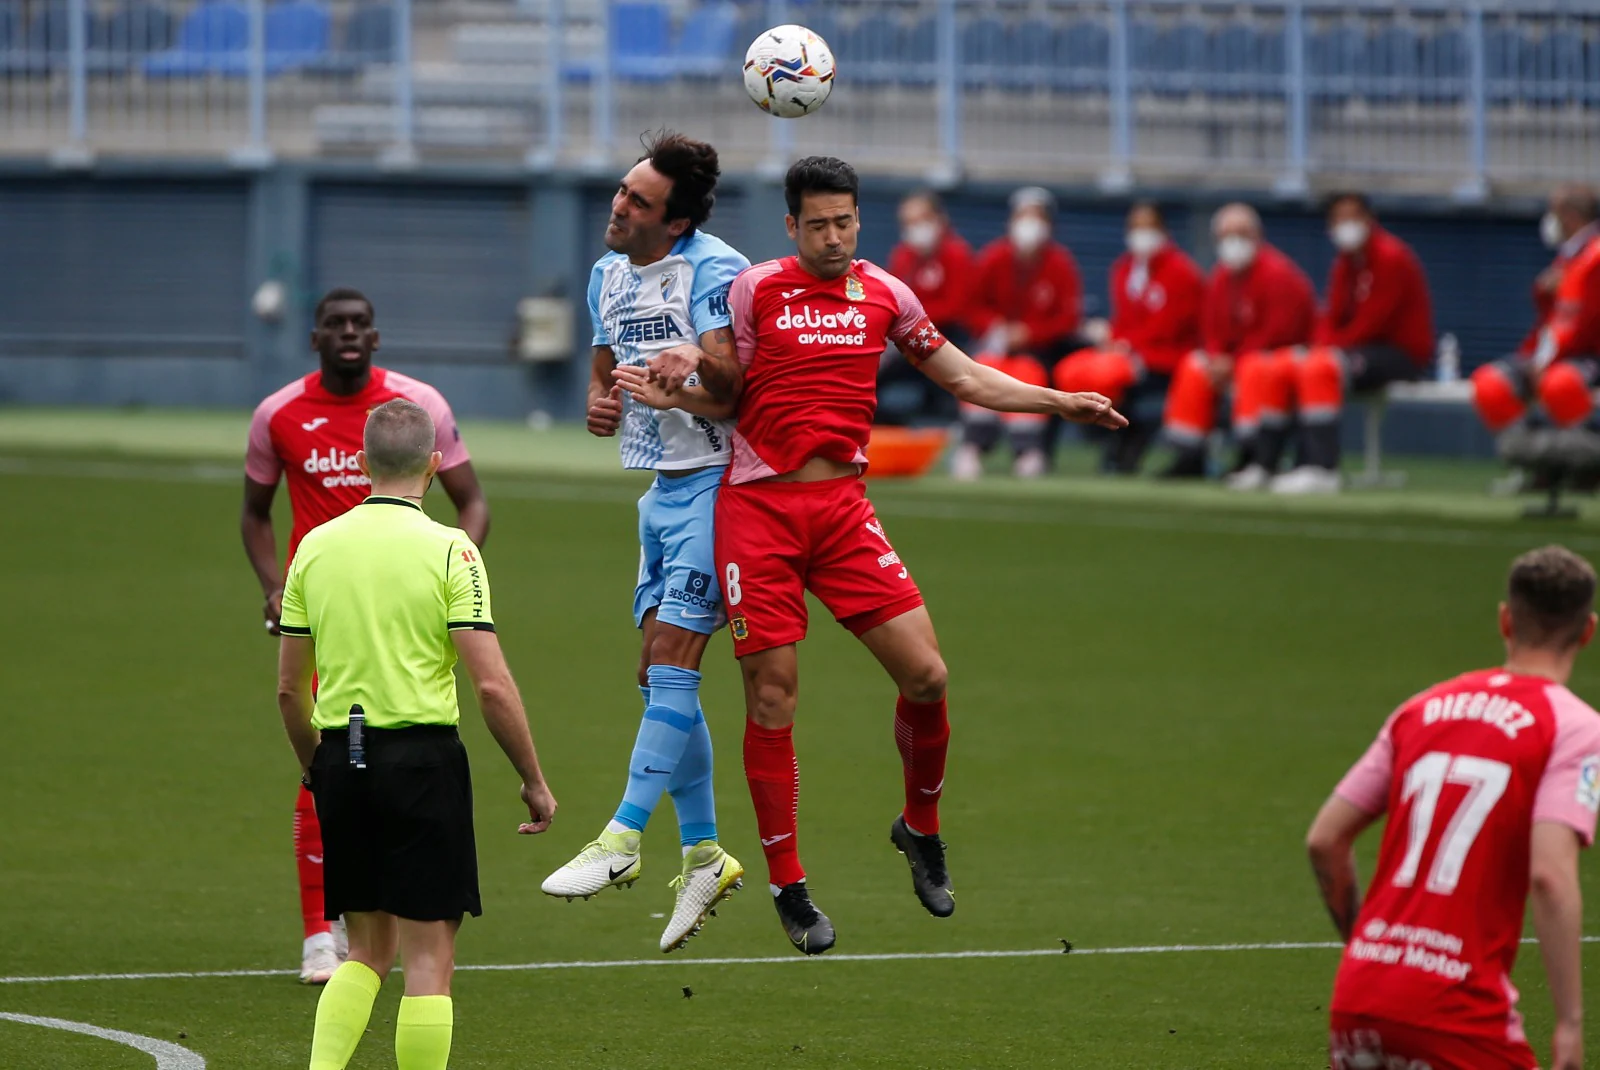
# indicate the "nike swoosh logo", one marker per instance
pixel 615 873
pixel 658 772
pixel 768 843
pixel 936 789
pixel 315 860
pixel 314 424
pixel 718 873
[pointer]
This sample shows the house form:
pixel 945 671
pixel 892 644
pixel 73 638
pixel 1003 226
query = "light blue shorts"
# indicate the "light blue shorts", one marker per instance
pixel 677 557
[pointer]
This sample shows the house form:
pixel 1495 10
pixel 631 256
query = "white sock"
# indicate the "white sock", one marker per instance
pixel 617 828
pixel 689 847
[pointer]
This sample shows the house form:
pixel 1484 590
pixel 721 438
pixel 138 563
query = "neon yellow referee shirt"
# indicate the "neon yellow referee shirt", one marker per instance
pixel 379 590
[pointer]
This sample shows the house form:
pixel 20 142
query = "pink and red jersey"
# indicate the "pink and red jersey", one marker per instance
pixel 810 349
pixel 313 436
pixel 1464 770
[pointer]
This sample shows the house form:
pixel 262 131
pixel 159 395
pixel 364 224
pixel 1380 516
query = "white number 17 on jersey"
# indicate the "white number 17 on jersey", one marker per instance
pixel 1485 782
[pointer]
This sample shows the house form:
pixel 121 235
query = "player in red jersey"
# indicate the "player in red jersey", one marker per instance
pixel 308 433
pixel 793 514
pixel 1491 782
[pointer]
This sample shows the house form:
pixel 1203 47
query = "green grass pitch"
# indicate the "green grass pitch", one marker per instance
pixel 1150 698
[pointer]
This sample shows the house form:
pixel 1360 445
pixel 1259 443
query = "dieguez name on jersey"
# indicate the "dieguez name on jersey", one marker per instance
pixel 346 472
pixel 851 319
pixel 1495 711
pixel 650 329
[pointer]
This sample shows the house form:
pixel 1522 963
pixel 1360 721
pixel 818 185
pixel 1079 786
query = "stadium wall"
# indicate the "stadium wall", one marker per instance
pixel 131 284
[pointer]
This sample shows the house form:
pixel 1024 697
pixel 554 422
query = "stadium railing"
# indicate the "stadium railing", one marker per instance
pixel 1451 96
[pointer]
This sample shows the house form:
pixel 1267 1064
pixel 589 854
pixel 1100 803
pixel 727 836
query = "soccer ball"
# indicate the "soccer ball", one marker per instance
pixel 788 71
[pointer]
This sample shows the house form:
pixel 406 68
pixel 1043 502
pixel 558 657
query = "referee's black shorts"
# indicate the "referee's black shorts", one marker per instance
pixel 397 835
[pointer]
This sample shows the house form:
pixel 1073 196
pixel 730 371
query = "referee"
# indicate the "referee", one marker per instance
pixel 380 603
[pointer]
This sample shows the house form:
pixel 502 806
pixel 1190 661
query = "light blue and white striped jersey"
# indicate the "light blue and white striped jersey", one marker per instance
pixel 641 311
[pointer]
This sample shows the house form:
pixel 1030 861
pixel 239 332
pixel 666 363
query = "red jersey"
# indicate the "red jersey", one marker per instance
pixel 1045 294
pixel 1464 770
pixel 1574 327
pixel 1155 306
pixel 810 349
pixel 1544 301
pixel 1379 297
pixel 313 436
pixel 941 280
pixel 1268 305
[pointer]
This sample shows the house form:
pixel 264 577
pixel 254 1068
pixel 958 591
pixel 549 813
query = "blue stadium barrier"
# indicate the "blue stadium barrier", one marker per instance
pixel 871 49
pixel 1080 57
pixel 982 50
pixel 641 36
pixel 920 51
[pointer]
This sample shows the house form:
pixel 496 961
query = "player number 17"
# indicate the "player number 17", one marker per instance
pixel 1485 782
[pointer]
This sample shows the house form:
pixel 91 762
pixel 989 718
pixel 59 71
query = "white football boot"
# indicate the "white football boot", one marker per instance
pixel 610 861
pixel 709 876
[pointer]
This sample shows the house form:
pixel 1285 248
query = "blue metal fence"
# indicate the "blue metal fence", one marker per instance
pixel 1446 96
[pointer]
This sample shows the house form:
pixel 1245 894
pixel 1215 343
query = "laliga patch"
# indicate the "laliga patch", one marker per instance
pixel 740 628
pixel 853 290
pixel 1589 784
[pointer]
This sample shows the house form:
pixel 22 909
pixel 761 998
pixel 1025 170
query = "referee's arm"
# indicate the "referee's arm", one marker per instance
pixel 297 657
pixel 501 704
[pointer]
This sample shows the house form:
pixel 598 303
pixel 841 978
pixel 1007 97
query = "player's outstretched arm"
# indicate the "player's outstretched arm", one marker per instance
pixel 605 397
pixel 637 383
pixel 501 704
pixel 991 388
pixel 1558 921
pixel 297 657
pixel 472 506
pixel 261 546
pixel 715 361
pixel 1331 844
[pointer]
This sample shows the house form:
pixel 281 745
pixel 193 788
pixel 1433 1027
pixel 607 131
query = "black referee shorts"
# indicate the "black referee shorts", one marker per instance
pixel 397 835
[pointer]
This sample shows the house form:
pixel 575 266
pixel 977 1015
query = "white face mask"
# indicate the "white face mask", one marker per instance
pixel 1145 241
pixel 1550 231
pixel 1028 233
pixel 922 236
pixel 1236 252
pixel 1349 236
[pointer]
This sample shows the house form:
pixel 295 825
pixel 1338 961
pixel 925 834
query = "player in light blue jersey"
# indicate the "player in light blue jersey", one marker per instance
pixel 665 375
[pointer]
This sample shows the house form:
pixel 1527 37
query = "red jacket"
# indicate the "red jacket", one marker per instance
pixel 1161 321
pixel 1379 297
pixel 1046 294
pixel 942 280
pixel 1544 301
pixel 1575 321
pixel 1267 305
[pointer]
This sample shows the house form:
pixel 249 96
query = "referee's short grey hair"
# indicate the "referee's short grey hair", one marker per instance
pixel 398 439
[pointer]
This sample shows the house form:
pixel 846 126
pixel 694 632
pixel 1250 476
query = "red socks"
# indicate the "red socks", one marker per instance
pixel 773 773
pixel 922 730
pixel 308 857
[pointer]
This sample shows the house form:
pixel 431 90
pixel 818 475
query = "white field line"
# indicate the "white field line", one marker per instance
pixel 167 1056
pixel 766 960
pixel 1066 513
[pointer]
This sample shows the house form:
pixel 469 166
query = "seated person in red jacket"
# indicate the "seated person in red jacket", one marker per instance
pixel 937 264
pixel 1156 296
pixel 1027 302
pixel 1558 363
pixel 1257 301
pixel 1376 328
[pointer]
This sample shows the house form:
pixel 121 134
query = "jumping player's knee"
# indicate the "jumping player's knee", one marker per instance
pixel 1564 393
pixel 770 692
pixel 1495 397
pixel 927 680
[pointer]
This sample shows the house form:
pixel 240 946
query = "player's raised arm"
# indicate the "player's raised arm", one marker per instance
pixel 1557 901
pixel 993 389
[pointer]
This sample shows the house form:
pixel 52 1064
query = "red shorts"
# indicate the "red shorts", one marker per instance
pixel 775 541
pixel 1375 1044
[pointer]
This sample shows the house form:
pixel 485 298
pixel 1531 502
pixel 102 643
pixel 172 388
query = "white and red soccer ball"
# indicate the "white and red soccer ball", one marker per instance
pixel 788 71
